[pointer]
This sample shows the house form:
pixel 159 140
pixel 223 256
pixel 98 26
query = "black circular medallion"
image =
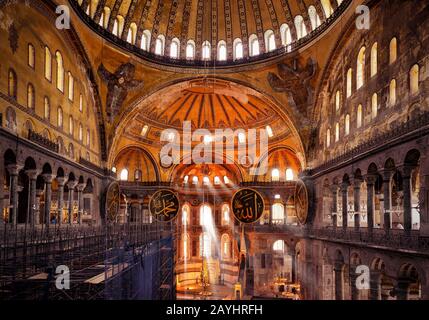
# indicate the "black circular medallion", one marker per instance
pixel 247 205
pixel 164 205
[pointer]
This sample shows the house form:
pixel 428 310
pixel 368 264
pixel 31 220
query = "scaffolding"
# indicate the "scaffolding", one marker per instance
pixel 117 261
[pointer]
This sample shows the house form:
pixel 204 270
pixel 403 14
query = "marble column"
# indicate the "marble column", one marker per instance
pixel 80 187
pixel 344 194
pixel 387 177
pixel 293 271
pixel 71 185
pixel 13 212
pixel 39 194
pixel 406 182
pixel 32 212
pixel 60 194
pixel 374 285
pixel 370 182
pixel 48 198
pixel 334 190
pixel 402 288
pixel 356 202
pixel 2 182
pixel 338 270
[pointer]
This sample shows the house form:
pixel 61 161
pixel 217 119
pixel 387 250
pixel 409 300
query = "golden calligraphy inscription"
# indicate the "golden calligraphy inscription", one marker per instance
pixel 164 205
pixel 247 205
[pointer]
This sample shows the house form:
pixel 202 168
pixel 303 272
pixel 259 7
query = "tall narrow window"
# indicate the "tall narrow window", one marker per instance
pixel 314 17
pixel 206 50
pixel 359 116
pixel 328 138
pixel 269 131
pixel 124 175
pixel 31 55
pixel 289 174
pixel 46 108
pixel 337 132
pixel 48 64
pixel 132 33
pixel 159 45
pixel 175 48
pixel 374 106
pixel 275 175
pixel 30 96
pixel 254 45
pixel 393 50
pixel 374 59
pixel 88 137
pixel 145 40
pixel 71 126
pixel 327 7
pixel 347 125
pixel 360 68
pixel 270 41
pixel 286 34
pixel 221 51
pixel 225 215
pixel 238 49
pixel 80 132
pixel 71 86
pixel 414 79
pixel 301 30
pixel 206 219
pixel 337 101
pixel 349 82
pixel 106 17
pixel 60 117
pixel 392 93
pixel 60 71
pixel 80 103
pixel 278 213
pixel 12 84
pixel 190 50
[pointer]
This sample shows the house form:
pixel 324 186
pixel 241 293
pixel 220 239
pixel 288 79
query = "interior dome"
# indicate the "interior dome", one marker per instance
pixel 227 31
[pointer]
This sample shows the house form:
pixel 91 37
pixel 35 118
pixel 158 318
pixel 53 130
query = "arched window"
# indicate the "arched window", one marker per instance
pixel 349 82
pixel 205 245
pixel 30 96
pixel 60 117
pixel 132 33
pixel 279 246
pixel 216 180
pixel 159 45
pixel 11 119
pixel 71 86
pixel 301 30
pixel 286 35
pixel 241 138
pixel 327 7
pixel 206 181
pixel 374 59
pixel 206 53
pixel 31 56
pixel 392 92
pixel 80 132
pixel 60 71
pixel 225 215
pixel 328 138
pixel 314 17
pixel 48 64
pixel 145 40
pixel 337 132
pixel 195 180
pixel 337 101
pixel 226 180
pixel 238 49
pixel 12 84
pixel 124 175
pixel 88 137
pixel 46 108
pixel 254 45
pixel 175 48
pixel 206 219
pixel 221 51
pixel 393 50
pixel 71 126
pixel 80 103
pixel 186 215
pixel 360 68
pixel 118 26
pixel 275 175
pixel 414 79
pixel 185 245
pixel 226 247
pixel 71 151
pixel 144 131
pixel 347 125
pixel 278 213
pixel 270 41
pixel 269 131
pixel 374 106
pixel 289 174
pixel 190 50
pixel 359 116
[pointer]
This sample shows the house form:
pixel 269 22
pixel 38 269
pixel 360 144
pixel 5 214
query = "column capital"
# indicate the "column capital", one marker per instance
pixel 13 169
pixel 48 177
pixel 344 186
pixel 387 174
pixel 71 184
pixel 334 188
pixel 80 186
pixel 370 179
pixel 357 182
pixel 61 181
pixel 406 170
pixel 32 173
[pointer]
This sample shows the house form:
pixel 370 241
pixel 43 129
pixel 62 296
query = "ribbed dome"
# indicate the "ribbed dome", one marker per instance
pixel 222 30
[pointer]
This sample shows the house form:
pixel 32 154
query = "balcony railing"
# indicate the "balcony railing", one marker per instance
pixel 41 140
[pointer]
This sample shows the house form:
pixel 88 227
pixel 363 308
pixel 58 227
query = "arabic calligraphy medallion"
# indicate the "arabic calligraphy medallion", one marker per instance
pixel 164 205
pixel 247 205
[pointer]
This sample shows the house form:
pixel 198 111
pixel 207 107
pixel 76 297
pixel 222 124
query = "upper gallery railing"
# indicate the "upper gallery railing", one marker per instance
pixel 195 63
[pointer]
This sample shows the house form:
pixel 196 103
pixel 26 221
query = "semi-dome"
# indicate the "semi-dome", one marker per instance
pixel 196 31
